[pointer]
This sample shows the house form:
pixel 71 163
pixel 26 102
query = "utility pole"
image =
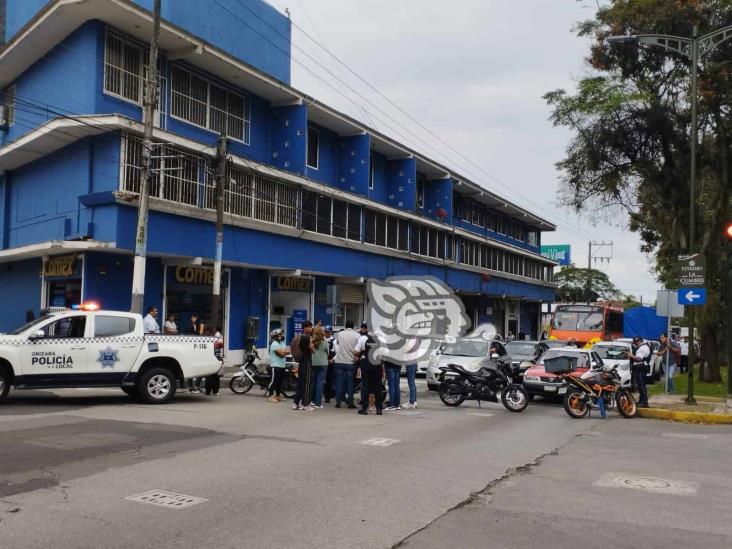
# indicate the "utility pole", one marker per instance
pixel 220 186
pixel 150 101
pixel 694 45
pixel 590 257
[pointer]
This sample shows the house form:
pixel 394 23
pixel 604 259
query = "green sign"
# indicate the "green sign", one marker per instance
pixel 557 252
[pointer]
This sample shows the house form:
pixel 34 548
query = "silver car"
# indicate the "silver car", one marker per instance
pixel 470 353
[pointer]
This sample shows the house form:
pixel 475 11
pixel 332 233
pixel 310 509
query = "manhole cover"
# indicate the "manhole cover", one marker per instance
pixel 166 499
pixel 649 484
pixel 380 441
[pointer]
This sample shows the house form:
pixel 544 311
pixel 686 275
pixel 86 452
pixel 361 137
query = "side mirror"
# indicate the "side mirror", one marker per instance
pixel 38 334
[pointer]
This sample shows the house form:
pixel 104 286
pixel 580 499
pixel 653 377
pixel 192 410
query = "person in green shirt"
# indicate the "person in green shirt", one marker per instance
pixel 277 353
pixel 320 365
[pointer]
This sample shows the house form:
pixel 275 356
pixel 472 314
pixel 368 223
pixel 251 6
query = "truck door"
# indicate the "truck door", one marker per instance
pixel 58 359
pixel 113 347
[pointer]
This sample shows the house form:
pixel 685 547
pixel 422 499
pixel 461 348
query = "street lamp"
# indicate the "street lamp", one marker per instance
pixel 691 48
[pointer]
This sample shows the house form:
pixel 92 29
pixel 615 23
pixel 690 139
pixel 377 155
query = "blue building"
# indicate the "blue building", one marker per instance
pixel 316 202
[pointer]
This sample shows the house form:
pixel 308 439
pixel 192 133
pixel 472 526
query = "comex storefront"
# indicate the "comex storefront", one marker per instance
pixel 188 290
pixel 62 281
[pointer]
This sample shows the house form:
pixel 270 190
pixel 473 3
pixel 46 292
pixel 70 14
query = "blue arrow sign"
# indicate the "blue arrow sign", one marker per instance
pixel 692 296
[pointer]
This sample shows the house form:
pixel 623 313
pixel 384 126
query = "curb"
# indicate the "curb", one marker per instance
pixel 685 417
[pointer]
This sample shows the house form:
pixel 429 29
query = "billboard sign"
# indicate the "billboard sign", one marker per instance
pixel 557 252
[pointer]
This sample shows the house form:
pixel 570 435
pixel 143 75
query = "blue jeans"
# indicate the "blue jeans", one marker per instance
pixel 411 380
pixel 318 384
pixel 392 378
pixel 670 378
pixel 344 382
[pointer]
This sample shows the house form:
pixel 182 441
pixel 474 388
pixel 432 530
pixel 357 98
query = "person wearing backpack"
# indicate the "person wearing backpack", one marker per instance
pixel 372 371
pixel 302 346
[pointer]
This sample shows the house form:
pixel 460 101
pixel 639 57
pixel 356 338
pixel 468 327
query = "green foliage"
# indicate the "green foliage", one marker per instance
pixel 630 146
pixel 574 283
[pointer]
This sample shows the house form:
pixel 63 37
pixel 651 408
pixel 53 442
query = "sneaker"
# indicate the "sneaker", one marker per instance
pixel 296 407
pixel 273 399
pixel 378 412
pixel 372 408
pixel 398 407
pixel 363 412
pixel 310 408
pixel 389 409
pixel 351 406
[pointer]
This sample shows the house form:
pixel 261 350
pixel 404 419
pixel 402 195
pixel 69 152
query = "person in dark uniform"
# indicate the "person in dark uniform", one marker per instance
pixel 371 371
pixel 303 393
pixel 640 358
pixel 194 327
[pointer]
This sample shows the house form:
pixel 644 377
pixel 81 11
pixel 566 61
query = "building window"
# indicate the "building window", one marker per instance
pixel 532 238
pixel 7 99
pixel 124 67
pixel 420 190
pixel 200 102
pixel 354 222
pixel 371 172
pixel 324 213
pixel 313 147
pixel 340 219
pixel 478 215
pixel 461 207
pixel 369 226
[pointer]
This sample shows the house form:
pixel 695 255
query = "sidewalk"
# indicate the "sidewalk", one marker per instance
pixel 673 408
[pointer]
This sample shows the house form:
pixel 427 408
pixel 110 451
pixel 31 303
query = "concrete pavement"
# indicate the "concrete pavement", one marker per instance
pixel 272 477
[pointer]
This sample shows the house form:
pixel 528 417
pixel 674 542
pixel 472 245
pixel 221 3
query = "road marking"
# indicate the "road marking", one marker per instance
pixel 480 414
pixel 649 484
pixel 166 499
pixel 686 436
pixel 377 441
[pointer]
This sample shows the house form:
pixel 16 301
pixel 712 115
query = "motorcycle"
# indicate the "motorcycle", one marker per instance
pixel 483 385
pixel 251 374
pixel 597 389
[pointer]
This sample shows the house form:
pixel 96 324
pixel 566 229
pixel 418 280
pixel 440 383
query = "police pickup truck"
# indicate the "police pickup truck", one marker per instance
pixel 86 348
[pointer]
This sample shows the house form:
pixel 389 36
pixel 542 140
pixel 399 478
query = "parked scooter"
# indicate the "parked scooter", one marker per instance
pixel 251 373
pixel 483 385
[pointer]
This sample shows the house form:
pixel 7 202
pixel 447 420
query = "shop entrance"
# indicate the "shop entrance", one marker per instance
pixel 291 301
pixel 63 293
pixel 63 281
pixel 188 291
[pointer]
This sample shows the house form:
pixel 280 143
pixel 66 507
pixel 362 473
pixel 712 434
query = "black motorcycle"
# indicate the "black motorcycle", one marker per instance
pixel 251 374
pixel 458 384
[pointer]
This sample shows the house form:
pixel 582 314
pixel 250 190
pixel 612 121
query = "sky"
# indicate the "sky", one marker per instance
pixel 473 72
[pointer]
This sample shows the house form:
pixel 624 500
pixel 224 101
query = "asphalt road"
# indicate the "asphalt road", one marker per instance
pixel 273 477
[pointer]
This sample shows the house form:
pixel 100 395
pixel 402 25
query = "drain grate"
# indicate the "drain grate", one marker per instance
pixel 166 499
pixel 380 441
pixel 649 484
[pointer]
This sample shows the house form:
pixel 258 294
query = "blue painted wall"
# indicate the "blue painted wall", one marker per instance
pixel 380 192
pixel 20 290
pixel 110 290
pixel 438 194
pixel 402 184
pixel 353 164
pixel 289 138
pixel 18 13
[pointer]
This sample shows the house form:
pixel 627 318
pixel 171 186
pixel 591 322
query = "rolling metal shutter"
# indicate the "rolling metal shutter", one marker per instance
pixel 351 293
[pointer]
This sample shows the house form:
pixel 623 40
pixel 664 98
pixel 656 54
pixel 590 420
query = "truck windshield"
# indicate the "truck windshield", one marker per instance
pixel 30 324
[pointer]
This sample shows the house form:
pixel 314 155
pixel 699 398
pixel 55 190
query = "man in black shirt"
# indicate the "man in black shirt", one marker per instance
pixel 304 373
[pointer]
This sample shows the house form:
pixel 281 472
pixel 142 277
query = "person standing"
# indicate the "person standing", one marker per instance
pixel 213 382
pixel 304 374
pixel 149 324
pixel 668 352
pixel 345 364
pixel 684 348
pixel 194 327
pixel 170 327
pixel 640 356
pixel 412 382
pixel 371 371
pixel 393 372
pixel 277 353
pixel 329 391
pixel 320 365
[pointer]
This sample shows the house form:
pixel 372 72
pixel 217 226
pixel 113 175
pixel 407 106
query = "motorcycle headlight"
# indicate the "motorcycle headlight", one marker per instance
pixel 531 378
pixel 526 364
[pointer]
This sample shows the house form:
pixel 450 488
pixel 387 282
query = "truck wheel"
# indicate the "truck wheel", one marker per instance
pixel 157 386
pixel 4 382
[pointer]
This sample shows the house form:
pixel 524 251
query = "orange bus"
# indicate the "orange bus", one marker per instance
pixel 603 322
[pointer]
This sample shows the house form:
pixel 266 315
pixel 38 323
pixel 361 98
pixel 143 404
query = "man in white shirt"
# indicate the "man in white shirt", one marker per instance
pixel 149 324
pixel 345 364
pixel 684 347
pixel 640 360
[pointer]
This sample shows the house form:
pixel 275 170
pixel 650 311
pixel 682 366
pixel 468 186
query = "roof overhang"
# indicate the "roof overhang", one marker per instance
pixel 53 247
pixel 59 18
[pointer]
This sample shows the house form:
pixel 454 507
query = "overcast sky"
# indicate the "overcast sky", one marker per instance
pixel 473 72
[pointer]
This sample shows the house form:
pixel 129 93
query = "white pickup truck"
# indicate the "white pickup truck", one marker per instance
pixel 103 349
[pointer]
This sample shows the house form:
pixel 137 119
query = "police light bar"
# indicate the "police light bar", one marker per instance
pixel 88 306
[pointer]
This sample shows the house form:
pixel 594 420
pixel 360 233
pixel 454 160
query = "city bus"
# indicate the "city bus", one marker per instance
pixel 598 322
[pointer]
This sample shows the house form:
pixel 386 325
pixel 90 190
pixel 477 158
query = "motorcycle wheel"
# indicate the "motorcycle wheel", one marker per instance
pixel 240 385
pixel 289 386
pixel 451 393
pixel 626 403
pixel 575 405
pixel 515 398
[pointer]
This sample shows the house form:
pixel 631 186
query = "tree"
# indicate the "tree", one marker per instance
pixel 629 301
pixel 630 146
pixel 574 283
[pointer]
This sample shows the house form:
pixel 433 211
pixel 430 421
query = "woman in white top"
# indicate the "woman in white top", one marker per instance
pixel 170 326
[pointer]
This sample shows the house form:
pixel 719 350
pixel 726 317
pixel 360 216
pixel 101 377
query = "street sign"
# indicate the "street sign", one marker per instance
pixel 692 296
pixel 691 270
pixel 667 304
pixel 561 253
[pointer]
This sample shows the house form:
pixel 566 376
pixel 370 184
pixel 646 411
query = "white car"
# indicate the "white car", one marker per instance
pixel 92 348
pixel 613 353
pixel 470 353
pixel 434 357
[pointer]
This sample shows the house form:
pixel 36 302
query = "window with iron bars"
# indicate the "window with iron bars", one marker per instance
pixel 124 67
pixel 200 102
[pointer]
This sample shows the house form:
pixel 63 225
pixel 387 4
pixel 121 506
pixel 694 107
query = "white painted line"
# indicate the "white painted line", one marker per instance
pixel 166 499
pixel 377 441
pixel 649 484
pixel 479 414
pixel 686 436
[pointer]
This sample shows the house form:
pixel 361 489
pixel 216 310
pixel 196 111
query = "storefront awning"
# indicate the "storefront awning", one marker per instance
pixel 51 248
